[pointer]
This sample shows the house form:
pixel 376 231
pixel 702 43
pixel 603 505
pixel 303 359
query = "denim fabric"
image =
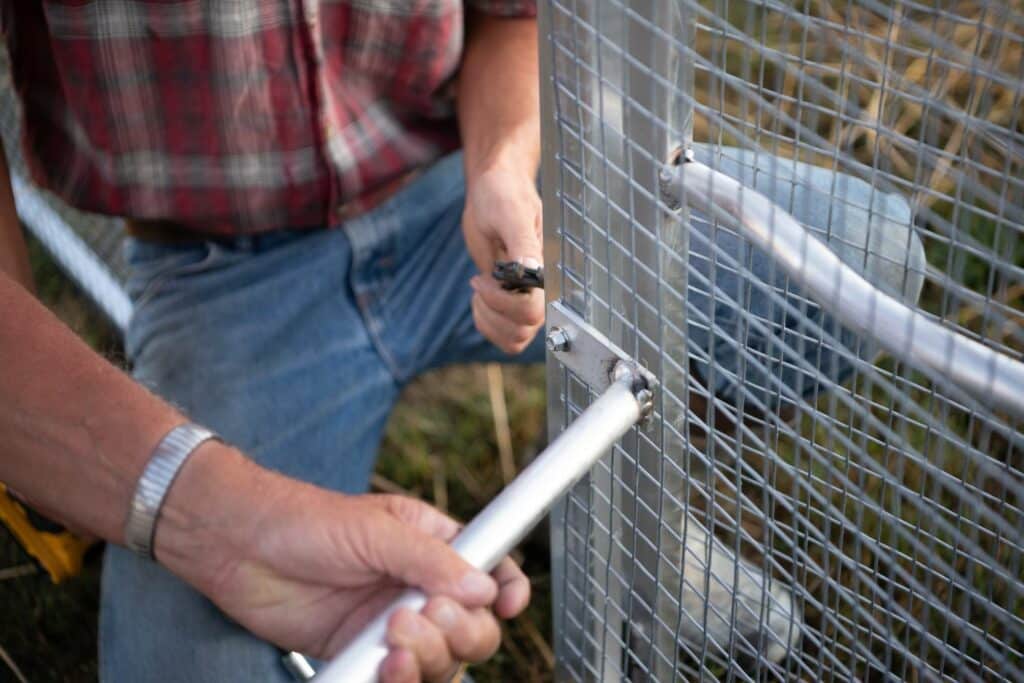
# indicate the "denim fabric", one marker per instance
pixel 295 345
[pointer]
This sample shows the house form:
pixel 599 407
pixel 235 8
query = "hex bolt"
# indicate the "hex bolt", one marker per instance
pixel 557 340
pixel 645 397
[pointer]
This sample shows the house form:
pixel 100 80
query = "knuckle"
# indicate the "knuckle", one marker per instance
pixel 441 663
pixel 525 336
pixel 435 655
pixel 400 627
pixel 514 346
pixel 472 645
pixel 488 638
pixel 534 317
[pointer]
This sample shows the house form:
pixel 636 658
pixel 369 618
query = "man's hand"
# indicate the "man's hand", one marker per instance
pixel 306 568
pixel 499 118
pixel 502 221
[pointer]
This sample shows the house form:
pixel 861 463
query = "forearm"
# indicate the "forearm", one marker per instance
pixel 13 255
pixel 498 100
pixel 77 431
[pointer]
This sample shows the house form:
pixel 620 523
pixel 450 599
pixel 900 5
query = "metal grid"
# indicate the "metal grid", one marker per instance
pixel 803 504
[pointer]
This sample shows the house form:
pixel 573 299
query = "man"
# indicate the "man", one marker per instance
pixel 297 254
pixel 303 234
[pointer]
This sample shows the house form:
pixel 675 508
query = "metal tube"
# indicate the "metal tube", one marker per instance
pixel 72 253
pixel 906 333
pixel 509 517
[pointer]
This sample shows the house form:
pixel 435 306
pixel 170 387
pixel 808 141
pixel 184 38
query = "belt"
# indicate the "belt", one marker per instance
pixel 166 231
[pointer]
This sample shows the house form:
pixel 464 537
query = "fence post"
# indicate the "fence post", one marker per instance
pixel 615 99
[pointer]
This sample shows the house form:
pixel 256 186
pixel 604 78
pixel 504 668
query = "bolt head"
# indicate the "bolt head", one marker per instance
pixel 645 397
pixel 557 339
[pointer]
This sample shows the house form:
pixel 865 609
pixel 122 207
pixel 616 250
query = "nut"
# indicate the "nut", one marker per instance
pixel 645 397
pixel 557 339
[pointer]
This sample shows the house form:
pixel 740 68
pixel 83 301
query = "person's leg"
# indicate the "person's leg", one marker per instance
pixel 750 351
pixel 267 349
pixel 761 352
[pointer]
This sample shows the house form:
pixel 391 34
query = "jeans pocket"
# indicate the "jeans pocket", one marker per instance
pixel 151 266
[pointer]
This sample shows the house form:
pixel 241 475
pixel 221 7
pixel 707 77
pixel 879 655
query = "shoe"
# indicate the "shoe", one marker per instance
pixel 768 622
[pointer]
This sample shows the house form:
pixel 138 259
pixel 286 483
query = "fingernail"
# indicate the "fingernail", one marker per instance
pixel 445 616
pixel 477 584
pixel 529 262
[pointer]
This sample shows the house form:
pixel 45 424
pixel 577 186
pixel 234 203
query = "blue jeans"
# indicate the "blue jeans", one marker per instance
pixel 295 345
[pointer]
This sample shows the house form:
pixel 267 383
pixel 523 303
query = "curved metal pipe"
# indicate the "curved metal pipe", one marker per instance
pixel 992 377
pixel 511 515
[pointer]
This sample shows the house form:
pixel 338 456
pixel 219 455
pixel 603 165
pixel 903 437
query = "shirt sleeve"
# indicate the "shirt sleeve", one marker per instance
pixel 505 8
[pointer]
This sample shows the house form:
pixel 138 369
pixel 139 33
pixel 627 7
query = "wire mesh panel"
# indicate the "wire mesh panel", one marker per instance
pixel 812 498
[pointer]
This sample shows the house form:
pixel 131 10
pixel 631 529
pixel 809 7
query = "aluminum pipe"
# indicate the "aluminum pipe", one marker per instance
pixel 511 515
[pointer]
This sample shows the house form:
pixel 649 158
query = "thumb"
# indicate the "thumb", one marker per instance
pixel 418 559
pixel 522 240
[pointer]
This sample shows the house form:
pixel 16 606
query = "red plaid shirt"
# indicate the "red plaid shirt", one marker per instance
pixel 235 116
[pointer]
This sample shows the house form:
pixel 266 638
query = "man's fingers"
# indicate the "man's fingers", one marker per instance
pixel 419 559
pixel 506 335
pixel 513 589
pixel 423 516
pixel 519 229
pixel 425 639
pixel 523 308
pixel 399 666
pixel 471 635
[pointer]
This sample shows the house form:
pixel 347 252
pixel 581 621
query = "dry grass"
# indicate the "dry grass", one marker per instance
pixel 443 445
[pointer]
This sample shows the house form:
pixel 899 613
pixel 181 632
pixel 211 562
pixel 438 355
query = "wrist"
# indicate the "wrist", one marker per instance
pixel 515 156
pixel 209 512
pixel 163 467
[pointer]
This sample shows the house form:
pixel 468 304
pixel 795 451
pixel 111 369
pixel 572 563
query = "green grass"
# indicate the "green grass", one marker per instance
pixel 440 446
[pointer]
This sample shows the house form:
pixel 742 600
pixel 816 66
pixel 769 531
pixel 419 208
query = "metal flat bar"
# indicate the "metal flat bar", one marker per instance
pixel 590 355
pixel 655 115
pixel 990 376
pixel 509 517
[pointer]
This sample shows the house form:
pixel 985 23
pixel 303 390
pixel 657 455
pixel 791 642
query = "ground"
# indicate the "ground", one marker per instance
pixel 441 445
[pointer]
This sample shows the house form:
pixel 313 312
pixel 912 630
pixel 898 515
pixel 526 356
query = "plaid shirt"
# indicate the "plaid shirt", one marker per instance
pixel 235 116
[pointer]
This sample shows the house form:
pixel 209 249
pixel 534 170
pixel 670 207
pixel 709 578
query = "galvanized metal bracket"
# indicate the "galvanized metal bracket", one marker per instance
pixel 591 355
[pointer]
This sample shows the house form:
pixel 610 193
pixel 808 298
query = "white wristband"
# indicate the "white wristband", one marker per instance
pixel 163 466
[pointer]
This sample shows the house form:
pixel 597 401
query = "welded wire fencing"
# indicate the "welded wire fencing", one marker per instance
pixel 825 491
